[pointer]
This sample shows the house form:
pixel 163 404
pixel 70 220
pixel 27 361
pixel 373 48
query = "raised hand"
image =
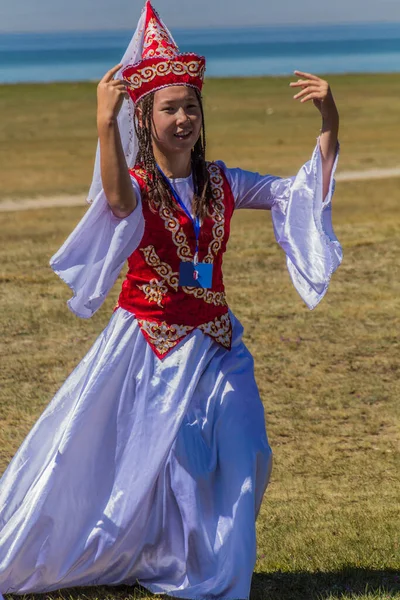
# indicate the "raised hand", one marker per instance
pixel 316 89
pixel 110 95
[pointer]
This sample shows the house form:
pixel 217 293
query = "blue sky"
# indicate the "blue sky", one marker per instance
pixel 65 15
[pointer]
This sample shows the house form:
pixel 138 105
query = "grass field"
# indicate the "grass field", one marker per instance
pixel 48 132
pixel 329 379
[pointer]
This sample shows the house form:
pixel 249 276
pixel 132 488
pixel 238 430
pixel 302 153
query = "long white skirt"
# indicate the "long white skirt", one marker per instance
pixel 141 470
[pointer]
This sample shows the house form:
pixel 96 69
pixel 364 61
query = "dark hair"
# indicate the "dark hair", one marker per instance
pixel 158 188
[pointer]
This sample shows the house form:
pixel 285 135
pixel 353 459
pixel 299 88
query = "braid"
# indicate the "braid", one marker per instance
pixel 158 190
pixel 202 190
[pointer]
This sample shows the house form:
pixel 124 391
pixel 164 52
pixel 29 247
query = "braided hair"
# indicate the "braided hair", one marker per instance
pixel 158 190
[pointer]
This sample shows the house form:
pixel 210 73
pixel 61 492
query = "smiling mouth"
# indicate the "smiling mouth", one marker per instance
pixel 183 136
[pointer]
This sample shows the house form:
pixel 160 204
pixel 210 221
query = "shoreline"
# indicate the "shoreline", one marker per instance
pixel 212 77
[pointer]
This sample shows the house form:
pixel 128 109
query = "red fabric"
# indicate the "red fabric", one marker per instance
pixel 153 74
pixel 176 306
pixel 157 41
pixel 161 63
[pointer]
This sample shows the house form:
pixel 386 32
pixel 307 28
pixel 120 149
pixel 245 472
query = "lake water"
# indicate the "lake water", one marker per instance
pixel 230 52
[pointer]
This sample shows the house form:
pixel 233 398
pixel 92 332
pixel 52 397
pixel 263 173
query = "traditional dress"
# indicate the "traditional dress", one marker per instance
pixel 151 461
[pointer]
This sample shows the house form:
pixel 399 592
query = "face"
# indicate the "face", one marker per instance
pixel 176 119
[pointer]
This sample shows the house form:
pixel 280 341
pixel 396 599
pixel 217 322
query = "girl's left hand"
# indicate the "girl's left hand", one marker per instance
pixel 317 90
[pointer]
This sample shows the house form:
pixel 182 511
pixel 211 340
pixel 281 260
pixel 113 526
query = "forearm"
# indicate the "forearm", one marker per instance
pixel 115 176
pixel 328 144
pixel 316 89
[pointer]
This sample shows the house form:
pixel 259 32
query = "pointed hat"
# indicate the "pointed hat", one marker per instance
pixel 162 64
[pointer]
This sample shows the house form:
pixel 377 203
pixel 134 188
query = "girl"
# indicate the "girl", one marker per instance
pixel 151 461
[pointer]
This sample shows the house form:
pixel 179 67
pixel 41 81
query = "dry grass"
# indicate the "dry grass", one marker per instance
pixel 48 137
pixel 329 379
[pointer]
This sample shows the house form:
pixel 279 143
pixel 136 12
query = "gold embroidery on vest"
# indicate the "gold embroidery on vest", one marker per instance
pixel 220 329
pixel 217 213
pixel 154 291
pixel 164 336
pixel 172 278
pixel 171 223
pixel 162 268
pixel 178 236
pixel 216 298
pixel 141 172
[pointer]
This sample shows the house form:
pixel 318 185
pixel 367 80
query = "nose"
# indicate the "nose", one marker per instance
pixel 181 117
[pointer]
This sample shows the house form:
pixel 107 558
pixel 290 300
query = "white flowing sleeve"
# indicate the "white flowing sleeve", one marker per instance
pixel 92 257
pixel 301 218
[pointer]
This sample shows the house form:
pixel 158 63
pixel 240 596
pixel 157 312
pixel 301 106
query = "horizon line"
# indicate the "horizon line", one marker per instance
pixel 208 27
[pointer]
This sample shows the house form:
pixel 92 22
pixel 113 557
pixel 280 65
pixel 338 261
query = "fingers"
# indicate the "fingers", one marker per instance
pixel 312 96
pixel 118 83
pixel 312 87
pixel 121 90
pixel 110 92
pixel 115 84
pixel 308 90
pixel 302 82
pixel 110 74
pixel 306 75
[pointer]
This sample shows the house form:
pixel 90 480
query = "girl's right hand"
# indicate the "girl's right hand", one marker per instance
pixel 110 95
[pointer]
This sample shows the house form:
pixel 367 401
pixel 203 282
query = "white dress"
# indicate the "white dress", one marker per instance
pixel 151 470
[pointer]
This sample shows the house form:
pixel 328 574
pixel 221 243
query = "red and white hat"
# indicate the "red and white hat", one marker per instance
pixel 162 64
pixel 150 62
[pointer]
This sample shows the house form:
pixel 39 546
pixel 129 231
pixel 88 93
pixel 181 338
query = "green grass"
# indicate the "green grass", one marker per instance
pixel 328 528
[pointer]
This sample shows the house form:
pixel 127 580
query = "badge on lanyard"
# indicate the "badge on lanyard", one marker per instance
pixel 192 273
pixel 195 275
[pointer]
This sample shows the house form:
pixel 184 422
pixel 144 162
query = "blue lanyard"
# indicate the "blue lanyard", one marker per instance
pixel 195 222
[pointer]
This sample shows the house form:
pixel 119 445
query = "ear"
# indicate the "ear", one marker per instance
pixel 139 115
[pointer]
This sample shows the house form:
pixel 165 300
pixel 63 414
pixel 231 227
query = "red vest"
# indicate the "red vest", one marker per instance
pixel 165 311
